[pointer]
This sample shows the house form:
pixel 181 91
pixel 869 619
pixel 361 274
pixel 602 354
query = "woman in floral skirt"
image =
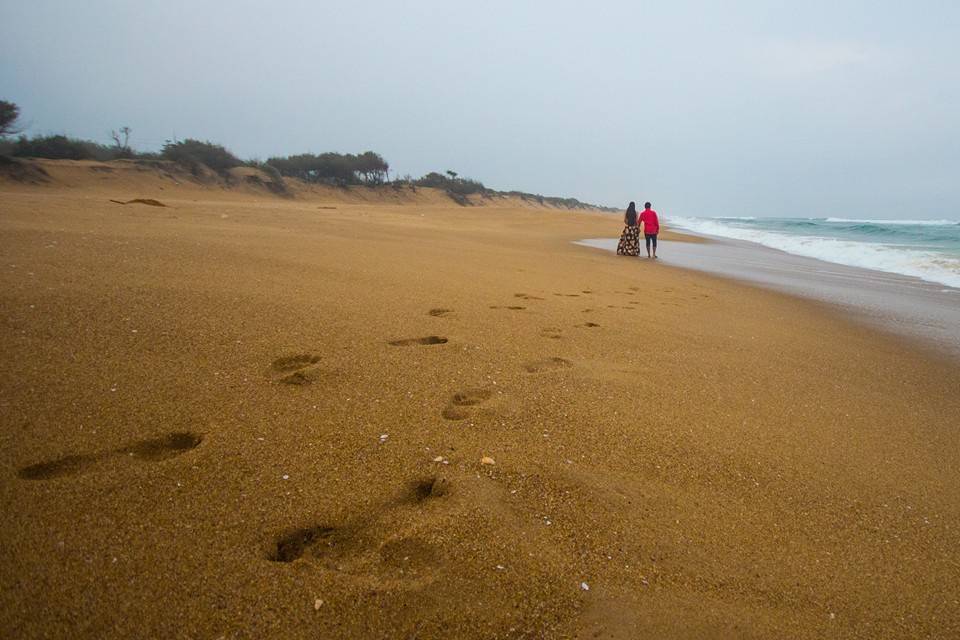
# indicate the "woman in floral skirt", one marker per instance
pixel 630 238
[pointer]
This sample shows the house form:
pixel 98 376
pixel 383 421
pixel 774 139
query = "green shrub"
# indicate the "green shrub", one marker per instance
pixel 191 153
pixel 333 168
pixel 9 112
pixel 457 188
pixel 60 147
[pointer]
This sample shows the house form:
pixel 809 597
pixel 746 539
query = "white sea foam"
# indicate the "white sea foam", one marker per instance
pixel 932 223
pixel 927 265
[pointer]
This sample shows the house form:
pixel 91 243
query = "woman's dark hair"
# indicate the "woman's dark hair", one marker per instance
pixel 632 207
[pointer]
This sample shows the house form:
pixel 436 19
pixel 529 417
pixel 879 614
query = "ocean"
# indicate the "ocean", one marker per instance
pixel 926 249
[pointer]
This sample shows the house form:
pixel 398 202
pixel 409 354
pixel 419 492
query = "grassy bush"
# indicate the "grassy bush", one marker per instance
pixel 457 188
pixel 334 168
pixel 191 153
pixel 60 147
pixel 9 112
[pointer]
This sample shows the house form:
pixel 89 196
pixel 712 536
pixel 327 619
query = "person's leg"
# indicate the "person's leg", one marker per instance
pixel 646 237
pixel 654 245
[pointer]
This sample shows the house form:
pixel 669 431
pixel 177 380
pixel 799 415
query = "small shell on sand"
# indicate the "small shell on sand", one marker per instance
pixel 487 460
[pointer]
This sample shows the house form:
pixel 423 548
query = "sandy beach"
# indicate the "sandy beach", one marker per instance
pixel 378 414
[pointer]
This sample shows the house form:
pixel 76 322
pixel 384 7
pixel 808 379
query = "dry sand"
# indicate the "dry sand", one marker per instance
pixel 238 416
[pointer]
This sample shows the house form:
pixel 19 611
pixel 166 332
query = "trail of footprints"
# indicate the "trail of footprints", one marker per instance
pixel 359 547
pixel 149 450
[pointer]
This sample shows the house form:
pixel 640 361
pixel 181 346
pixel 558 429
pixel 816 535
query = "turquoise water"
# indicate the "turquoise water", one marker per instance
pixel 926 249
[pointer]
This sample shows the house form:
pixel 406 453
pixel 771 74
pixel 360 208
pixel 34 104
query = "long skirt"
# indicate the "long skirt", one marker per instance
pixel 629 241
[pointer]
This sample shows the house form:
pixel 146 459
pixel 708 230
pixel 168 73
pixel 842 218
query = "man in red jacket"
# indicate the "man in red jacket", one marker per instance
pixel 651 227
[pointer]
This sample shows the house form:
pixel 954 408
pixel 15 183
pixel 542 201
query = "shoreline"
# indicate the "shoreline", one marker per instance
pixel 902 305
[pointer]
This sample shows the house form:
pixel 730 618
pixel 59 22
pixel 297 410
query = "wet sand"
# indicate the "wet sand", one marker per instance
pixel 238 416
pixel 905 305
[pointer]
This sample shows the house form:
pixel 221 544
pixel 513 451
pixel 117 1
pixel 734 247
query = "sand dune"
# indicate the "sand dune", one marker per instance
pixel 241 415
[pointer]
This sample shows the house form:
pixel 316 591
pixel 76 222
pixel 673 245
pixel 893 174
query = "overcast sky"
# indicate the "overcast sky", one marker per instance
pixel 744 107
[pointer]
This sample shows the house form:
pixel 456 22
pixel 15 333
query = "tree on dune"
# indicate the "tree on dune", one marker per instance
pixel 334 168
pixel 9 112
pixel 121 142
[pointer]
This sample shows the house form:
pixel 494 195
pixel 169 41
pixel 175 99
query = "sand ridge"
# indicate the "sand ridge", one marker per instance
pixel 215 420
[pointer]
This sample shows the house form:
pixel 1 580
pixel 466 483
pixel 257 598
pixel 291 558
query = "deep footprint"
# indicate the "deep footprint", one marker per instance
pixel 438 313
pixel 294 362
pixel 329 543
pixel 152 450
pixel 298 378
pixel 433 487
pixel 409 342
pixel 470 397
pixel 547 364
pixel 164 447
pixel 451 412
pixel 66 466
pixel 292 546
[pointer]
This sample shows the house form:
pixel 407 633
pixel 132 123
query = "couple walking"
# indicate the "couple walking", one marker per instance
pixel 630 238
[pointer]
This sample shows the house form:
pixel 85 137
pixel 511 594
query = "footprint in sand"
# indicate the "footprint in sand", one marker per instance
pixel 296 370
pixel 567 295
pixel 439 312
pixel 412 342
pixel 589 324
pixel 526 296
pixel 547 364
pixel 361 548
pixel 456 408
pixel 149 450
pixel 512 308
pixel 554 333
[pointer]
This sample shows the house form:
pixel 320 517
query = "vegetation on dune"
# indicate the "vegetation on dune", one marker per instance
pixel 9 112
pixel 274 181
pixel 61 147
pixel 566 203
pixel 341 169
pixel 197 156
pixel 457 188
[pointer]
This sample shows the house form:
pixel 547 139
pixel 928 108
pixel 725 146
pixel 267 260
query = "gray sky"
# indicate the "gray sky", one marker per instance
pixel 706 108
